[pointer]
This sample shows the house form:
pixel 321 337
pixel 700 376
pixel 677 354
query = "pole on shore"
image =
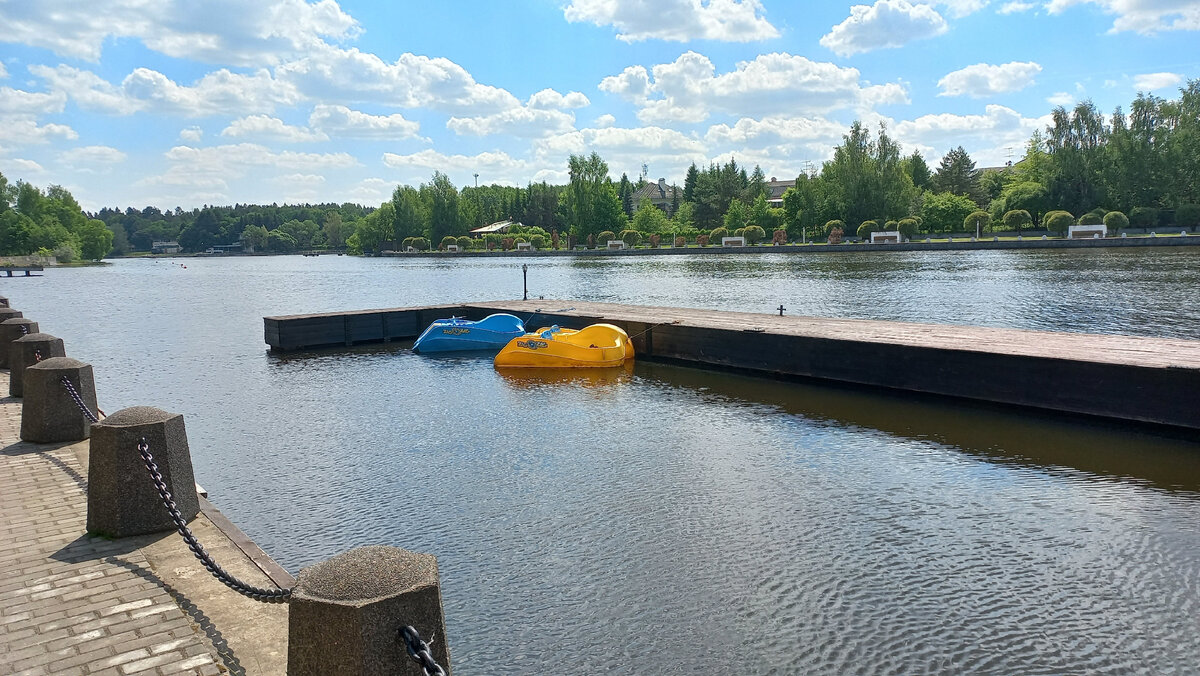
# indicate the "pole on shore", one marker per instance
pixel 525 281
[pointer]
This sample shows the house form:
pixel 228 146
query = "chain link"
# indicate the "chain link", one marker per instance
pixel 420 652
pixel 256 593
pixel 78 399
pixel 37 355
pixel 25 329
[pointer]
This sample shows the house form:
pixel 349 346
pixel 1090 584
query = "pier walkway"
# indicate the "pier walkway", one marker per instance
pixel 71 603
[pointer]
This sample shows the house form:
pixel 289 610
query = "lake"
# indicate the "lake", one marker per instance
pixel 668 519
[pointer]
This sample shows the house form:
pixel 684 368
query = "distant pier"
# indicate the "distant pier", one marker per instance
pixel 1147 380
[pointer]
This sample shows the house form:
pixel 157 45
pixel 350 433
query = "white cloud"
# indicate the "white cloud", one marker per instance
pixel 264 127
pixel 667 151
pixel 520 122
pixel 497 167
pixel 370 191
pixel 676 20
pixel 605 120
pixel 191 134
pixel 238 32
pixel 18 102
pixel 688 89
pixel 1148 82
pixel 301 179
pixel 982 80
pixel 548 99
pixel 24 167
pixel 4 74
pixel 961 8
pixel 211 168
pixel 1142 16
pixel 1015 7
pixel 1060 99
pixel 92 155
pixel 18 131
pixel 887 23
pixel 342 122
pixel 633 84
pixel 776 130
pixel 988 136
pixel 217 93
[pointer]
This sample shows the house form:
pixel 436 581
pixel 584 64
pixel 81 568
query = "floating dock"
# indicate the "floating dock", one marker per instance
pixel 1147 380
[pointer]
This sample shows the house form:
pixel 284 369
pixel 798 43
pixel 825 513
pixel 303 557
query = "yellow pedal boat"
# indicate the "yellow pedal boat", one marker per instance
pixel 553 347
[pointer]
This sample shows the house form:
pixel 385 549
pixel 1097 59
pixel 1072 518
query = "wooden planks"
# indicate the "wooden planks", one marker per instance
pixel 1154 380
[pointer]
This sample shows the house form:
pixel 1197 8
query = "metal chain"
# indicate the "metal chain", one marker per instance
pixel 256 593
pixel 25 329
pixel 78 399
pixel 37 355
pixel 419 651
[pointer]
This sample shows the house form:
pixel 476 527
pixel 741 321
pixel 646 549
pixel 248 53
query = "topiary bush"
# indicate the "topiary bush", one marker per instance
pixel 754 234
pixel 420 244
pixel 739 232
pixel 406 243
pixel 702 240
pixel 1143 217
pixel 655 240
pixel 835 235
pixel 447 241
pixel 538 241
pixel 680 242
pixel 1187 215
pixel 1115 221
pixel 631 238
pixel 465 243
pixel 507 243
pixel 907 227
pixel 830 225
pixel 866 228
pixel 717 234
pixel 1017 219
pixel 891 226
pixel 591 241
pixel 1093 217
pixel 1058 221
pixel 980 217
pixel 603 237
pixel 779 237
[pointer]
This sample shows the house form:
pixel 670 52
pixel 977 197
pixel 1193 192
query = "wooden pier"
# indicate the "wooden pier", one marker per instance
pixel 27 269
pixel 1148 380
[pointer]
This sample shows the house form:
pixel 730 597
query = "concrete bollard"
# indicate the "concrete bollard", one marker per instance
pixel 10 330
pixel 49 413
pixel 9 313
pixel 346 613
pixel 23 353
pixel 122 499
pixel 3 301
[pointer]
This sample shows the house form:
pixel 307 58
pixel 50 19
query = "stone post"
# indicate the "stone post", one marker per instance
pixel 10 330
pixel 122 499
pixel 3 301
pixel 8 313
pixel 48 412
pixel 345 614
pixel 23 353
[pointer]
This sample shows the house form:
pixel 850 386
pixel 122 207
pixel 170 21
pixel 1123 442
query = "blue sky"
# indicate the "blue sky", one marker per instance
pixel 173 103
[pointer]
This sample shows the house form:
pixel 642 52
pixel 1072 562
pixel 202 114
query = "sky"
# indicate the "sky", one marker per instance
pixel 184 103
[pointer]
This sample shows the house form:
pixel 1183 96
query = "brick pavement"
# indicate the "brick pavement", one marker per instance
pixel 75 604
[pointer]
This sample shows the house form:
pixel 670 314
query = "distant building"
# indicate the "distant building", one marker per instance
pixel 171 247
pixel 660 195
pixel 775 190
pixel 498 226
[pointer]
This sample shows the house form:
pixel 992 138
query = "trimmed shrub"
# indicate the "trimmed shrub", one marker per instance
pixel 407 242
pixel 716 235
pixel 591 241
pixel 1143 217
pixel 891 225
pixel 779 237
pixel 1187 215
pixel 538 241
pixel 740 232
pixel 702 240
pixel 1093 217
pixel 655 240
pixel 631 238
pixel 554 239
pixel 754 234
pixel 1058 221
pixel 680 242
pixel 603 237
pixel 979 216
pixel 907 227
pixel 830 225
pixel 866 228
pixel 420 244
pixel 1017 219
pixel 447 241
pixel 835 235
pixel 507 243
pixel 1115 221
pixel 465 243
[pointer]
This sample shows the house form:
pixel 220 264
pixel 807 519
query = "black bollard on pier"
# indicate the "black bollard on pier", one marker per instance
pixel 10 330
pixel 122 499
pixel 3 301
pixel 347 614
pixel 27 351
pixel 53 410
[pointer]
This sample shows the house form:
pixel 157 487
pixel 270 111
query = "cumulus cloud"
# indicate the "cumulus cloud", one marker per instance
pixel 271 128
pixel 605 120
pixel 342 122
pixel 237 32
pixel 1015 7
pixel 3 72
pixel 498 167
pixel 1141 16
pixel 370 191
pixel 961 8
pixel 633 84
pixel 982 80
pixel 676 20
pixel 548 99
pixel 689 89
pixel 1060 99
pixel 18 102
pixel 191 134
pixel 520 122
pixel 668 152
pixel 211 168
pixel 1148 82
pixel 887 23
pixel 18 130
pixel 24 167
pixel 775 130
pixel 989 136
pixel 217 93
pixel 92 155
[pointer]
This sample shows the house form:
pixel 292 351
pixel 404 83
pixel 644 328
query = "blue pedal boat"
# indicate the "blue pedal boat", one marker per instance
pixel 490 333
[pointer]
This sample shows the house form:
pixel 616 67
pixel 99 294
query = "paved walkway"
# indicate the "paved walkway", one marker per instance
pixel 75 604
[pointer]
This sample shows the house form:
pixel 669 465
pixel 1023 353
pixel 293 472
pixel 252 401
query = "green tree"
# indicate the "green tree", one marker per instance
pixel 945 211
pixel 1115 221
pixel 592 202
pixel 918 170
pixel 956 174
pixel 443 208
pixel 736 215
pixel 95 240
pixel 650 218
pixel 977 221
pixel 1017 219
pixel 1058 221
pixel 254 237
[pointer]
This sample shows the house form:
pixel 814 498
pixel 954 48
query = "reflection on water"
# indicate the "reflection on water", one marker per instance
pixel 535 378
pixel 673 520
